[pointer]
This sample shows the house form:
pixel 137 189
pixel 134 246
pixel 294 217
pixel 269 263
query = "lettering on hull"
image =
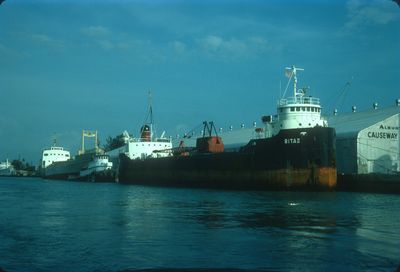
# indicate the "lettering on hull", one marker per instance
pixel 291 141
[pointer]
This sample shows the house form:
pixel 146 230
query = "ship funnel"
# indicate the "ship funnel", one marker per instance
pixel 145 133
pixel 375 106
pixel 354 109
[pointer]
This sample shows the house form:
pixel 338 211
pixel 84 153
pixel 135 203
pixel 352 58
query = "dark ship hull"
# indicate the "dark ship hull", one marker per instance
pixel 294 159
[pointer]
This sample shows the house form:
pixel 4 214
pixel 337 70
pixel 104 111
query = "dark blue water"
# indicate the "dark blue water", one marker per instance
pixel 72 226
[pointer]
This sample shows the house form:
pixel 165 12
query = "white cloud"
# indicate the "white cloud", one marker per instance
pixel 211 43
pixel 178 47
pixel 48 41
pixel 366 13
pixel 107 45
pixel 233 47
pixel 95 31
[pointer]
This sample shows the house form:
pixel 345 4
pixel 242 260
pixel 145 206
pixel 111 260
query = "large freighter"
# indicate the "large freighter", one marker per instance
pixel 87 165
pixel 294 151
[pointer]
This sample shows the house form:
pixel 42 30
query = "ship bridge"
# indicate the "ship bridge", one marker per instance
pixel 297 111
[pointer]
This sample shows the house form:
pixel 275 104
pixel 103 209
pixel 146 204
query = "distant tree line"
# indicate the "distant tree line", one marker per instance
pixel 22 165
pixel 114 142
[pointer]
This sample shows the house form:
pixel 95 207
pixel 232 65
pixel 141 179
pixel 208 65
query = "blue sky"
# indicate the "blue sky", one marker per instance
pixel 72 65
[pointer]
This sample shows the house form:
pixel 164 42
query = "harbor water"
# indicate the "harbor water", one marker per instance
pixel 78 226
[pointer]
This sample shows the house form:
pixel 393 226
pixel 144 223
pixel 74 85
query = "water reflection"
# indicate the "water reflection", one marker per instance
pixel 108 227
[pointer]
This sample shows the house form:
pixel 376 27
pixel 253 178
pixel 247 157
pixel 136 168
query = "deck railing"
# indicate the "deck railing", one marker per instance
pixel 299 100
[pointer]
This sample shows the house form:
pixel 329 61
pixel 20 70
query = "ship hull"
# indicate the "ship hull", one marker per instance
pixel 295 159
pixel 72 170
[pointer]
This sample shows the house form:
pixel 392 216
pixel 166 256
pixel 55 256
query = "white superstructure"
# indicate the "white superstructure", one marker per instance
pixel 6 169
pixel 98 164
pixel 298 111
pixel 54 154
pixel 145 146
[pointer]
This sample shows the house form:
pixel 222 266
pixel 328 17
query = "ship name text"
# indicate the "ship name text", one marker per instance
pixel 292 141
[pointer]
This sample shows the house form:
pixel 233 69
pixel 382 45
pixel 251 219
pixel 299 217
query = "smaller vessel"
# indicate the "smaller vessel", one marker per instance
pixel 6 169
pixel 87 165
pixel 146 146
pixel 98 169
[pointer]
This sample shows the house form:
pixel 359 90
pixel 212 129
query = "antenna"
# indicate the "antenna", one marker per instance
pixel 54 139
pixel 150 107
pixel 292 72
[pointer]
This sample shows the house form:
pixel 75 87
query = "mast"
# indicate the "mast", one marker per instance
pixel 151 115
pixel 292 72
pixel 146 131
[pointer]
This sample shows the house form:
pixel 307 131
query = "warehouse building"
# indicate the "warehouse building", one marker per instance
pixel 368 142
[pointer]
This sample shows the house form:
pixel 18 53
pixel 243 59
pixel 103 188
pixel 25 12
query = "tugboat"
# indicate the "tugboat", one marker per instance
pixel 87 165
pixel 295 150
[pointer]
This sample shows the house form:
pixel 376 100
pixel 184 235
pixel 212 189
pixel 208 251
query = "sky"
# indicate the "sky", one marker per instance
pixel 71 65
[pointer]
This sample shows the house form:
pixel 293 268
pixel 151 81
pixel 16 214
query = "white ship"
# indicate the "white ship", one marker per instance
pixel 147 145
pixel 6 169
pixel 88 165
pixel 53 154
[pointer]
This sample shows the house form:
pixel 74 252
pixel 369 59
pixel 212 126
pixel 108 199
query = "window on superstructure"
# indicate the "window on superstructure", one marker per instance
pixel 308 108
pixel 291 108
pixel 312 110
pixel 297 108
pixel 303 108
pixel 45 154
